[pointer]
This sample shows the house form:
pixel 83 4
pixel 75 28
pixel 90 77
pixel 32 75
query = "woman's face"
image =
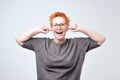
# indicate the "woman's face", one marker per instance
pixel 59 28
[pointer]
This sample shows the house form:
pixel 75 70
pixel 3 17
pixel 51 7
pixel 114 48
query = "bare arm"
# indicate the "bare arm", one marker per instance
pixel 29 34
pixel 93 35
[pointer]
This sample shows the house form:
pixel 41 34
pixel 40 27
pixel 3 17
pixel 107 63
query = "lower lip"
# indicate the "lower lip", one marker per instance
pixel 59 34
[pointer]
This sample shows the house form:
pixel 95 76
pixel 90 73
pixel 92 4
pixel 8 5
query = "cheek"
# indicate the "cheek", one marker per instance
pixel 65 29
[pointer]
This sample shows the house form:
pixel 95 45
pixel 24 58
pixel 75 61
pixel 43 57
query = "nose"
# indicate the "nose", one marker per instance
pixel 59 27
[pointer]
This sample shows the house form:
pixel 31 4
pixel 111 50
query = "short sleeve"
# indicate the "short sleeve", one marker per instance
pixel 34 44
pixel 28 44
pixel 92 44
pixel 86 44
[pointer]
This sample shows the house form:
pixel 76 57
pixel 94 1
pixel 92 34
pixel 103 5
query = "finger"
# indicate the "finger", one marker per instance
pixel 70 27
pixel 49 29
pixel 73 28
pixel 46 30
pixel 43 26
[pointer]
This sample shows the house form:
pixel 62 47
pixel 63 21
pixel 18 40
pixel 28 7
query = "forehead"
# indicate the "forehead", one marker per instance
pixel 59 20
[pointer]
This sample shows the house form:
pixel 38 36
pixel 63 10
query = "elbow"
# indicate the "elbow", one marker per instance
pixel 102 40
pixel 19 41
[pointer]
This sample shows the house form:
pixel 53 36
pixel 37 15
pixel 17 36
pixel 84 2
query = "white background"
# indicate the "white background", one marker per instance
pixel 17 16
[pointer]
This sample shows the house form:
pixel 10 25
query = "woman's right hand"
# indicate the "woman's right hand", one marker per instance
pixel 44 29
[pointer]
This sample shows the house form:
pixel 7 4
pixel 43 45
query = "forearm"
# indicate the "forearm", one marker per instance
pixel 93 35
pixel 26 36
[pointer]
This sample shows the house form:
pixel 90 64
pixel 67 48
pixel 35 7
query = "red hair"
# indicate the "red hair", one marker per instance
pixel 59 14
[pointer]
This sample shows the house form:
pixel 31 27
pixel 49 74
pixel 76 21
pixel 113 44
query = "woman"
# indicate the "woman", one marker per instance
pixel 60 58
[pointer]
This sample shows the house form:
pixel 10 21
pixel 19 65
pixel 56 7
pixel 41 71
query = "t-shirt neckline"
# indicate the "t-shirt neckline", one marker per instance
pixel 59 44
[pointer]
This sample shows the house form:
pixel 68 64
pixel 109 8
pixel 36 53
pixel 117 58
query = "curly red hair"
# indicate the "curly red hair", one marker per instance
pixel 59 14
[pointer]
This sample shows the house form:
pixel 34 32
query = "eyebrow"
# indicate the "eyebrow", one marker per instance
pixel 59 23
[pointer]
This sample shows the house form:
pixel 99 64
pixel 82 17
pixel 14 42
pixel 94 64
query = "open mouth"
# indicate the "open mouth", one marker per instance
pixel 59 32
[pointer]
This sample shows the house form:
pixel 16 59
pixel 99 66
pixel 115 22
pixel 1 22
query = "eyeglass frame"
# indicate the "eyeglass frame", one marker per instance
pixel 61 24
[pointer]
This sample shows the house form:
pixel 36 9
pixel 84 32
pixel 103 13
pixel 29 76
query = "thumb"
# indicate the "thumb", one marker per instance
pixel 50 29
pixel 70 27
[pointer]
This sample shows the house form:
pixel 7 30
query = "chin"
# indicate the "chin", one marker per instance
pixel 59 38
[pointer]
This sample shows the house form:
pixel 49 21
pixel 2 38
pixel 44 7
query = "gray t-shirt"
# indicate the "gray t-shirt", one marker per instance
pixel 60 61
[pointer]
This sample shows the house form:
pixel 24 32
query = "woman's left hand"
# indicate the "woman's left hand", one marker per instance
pixel 75 28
